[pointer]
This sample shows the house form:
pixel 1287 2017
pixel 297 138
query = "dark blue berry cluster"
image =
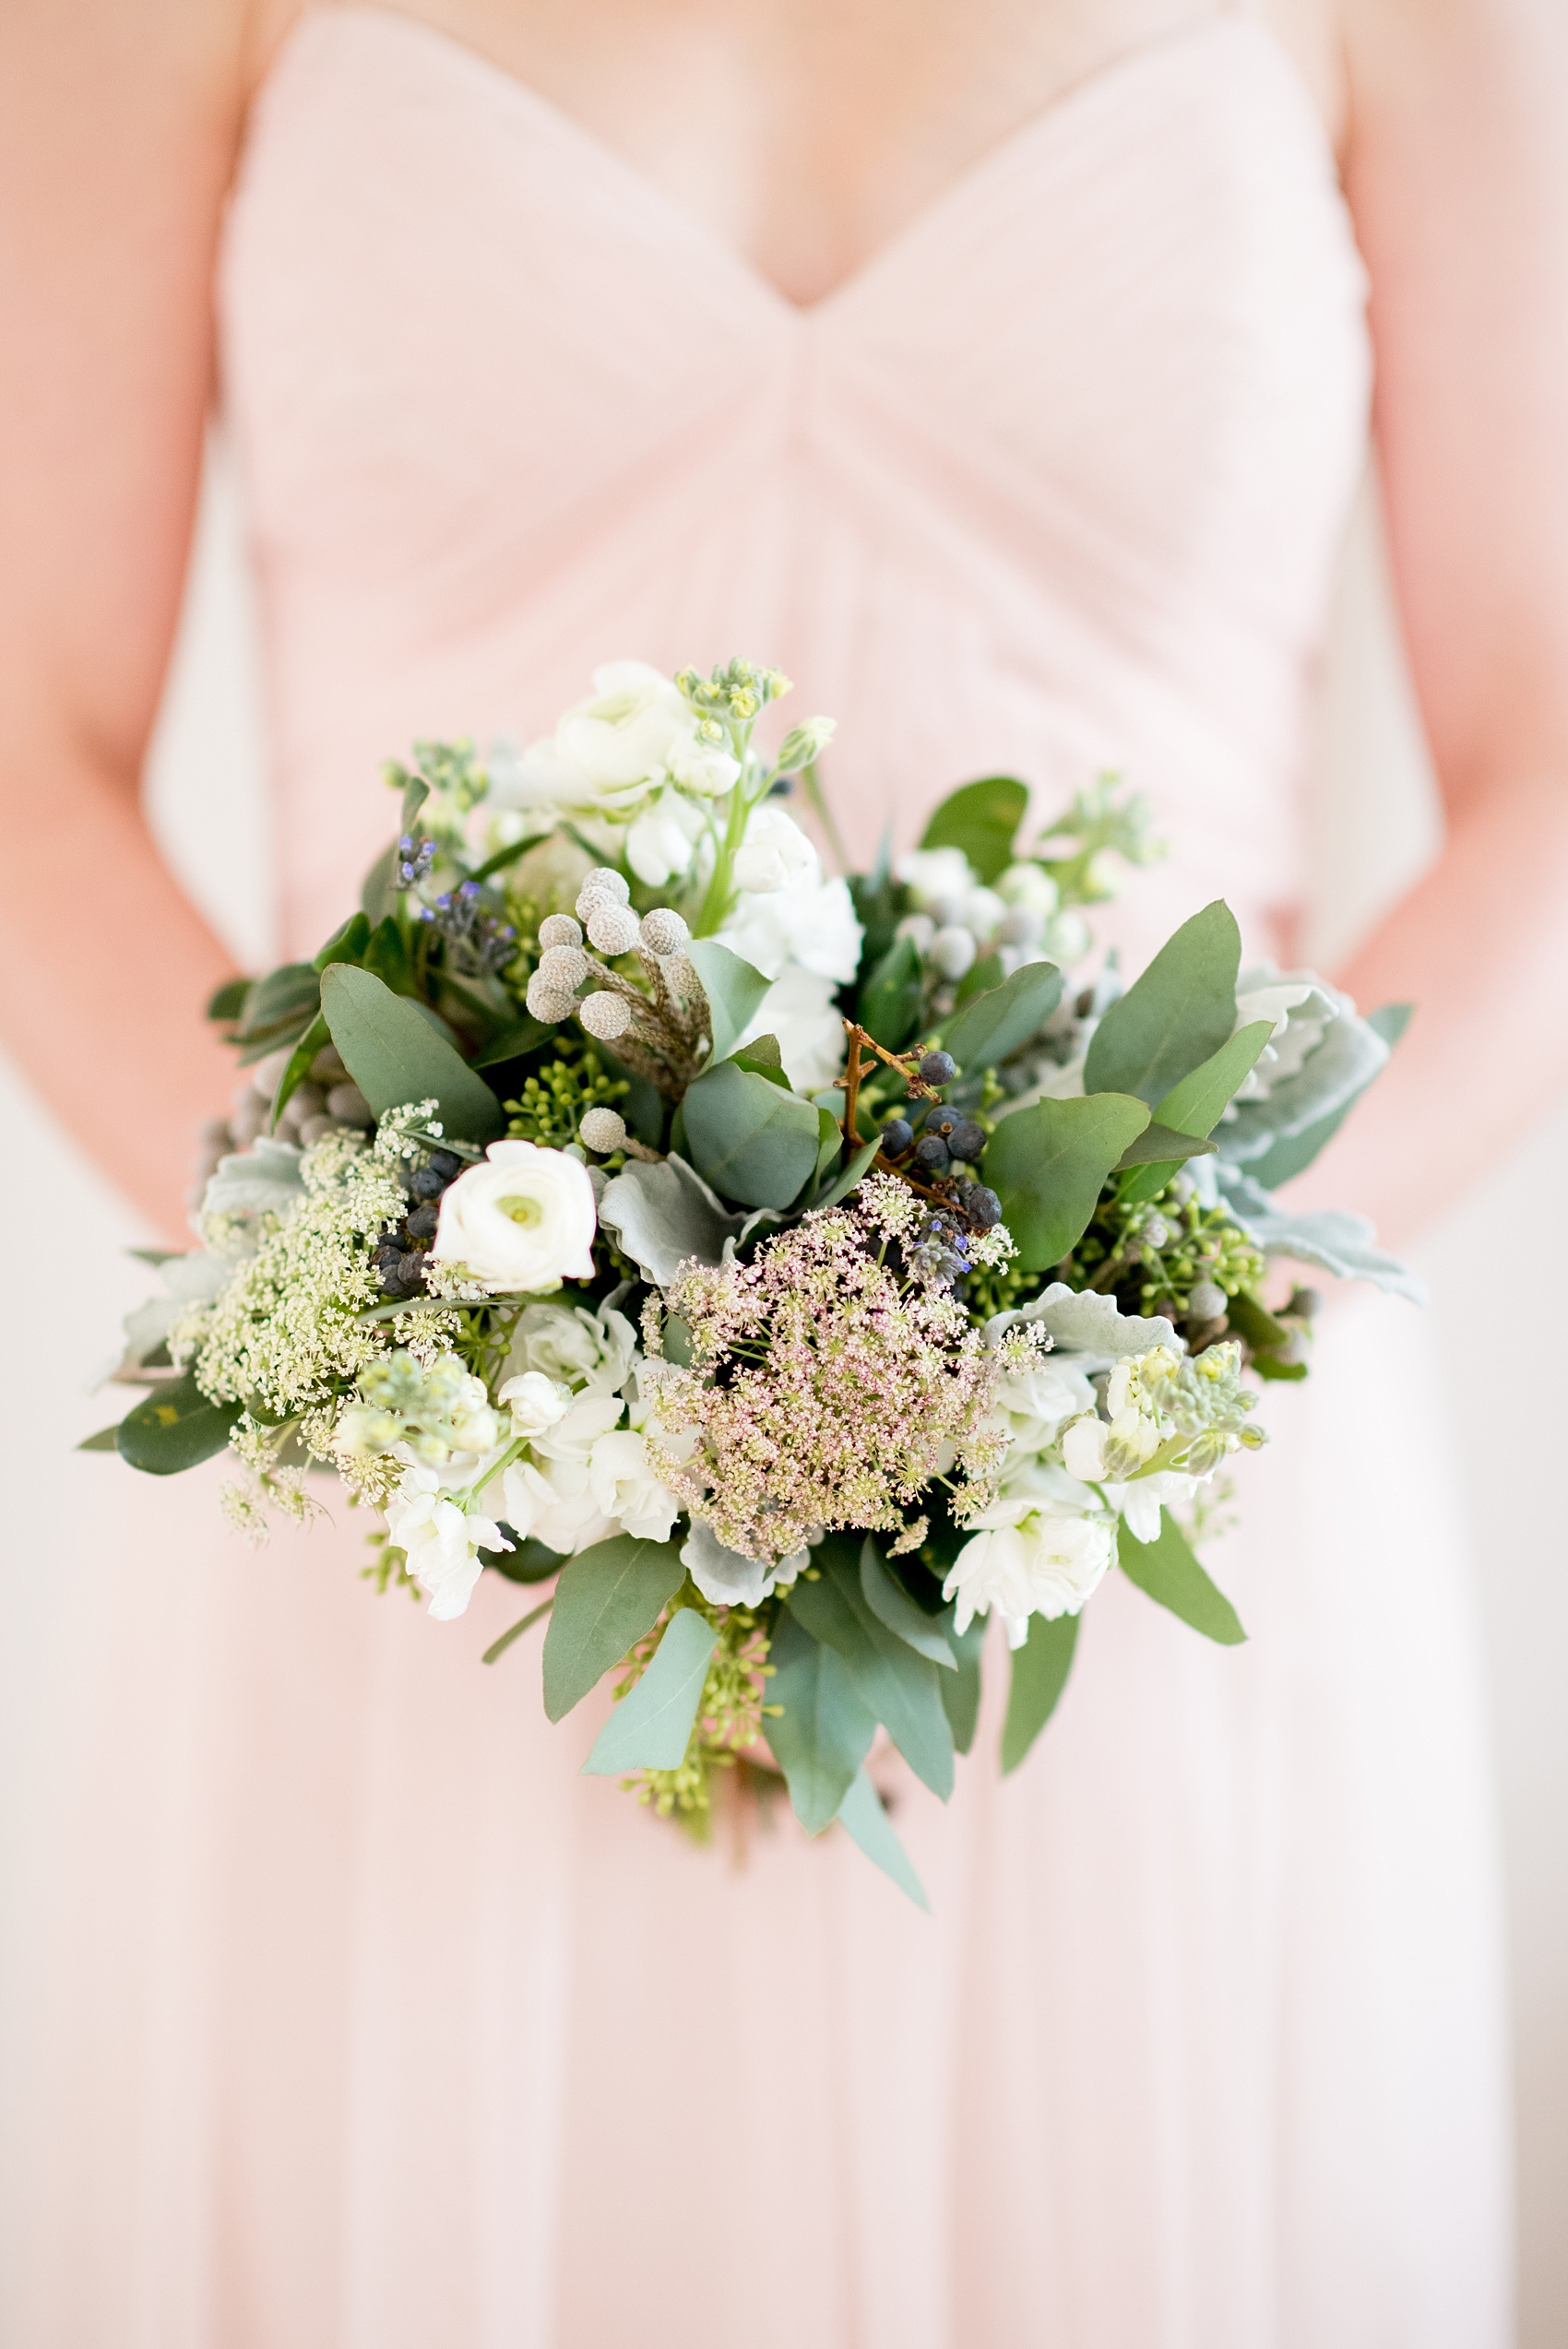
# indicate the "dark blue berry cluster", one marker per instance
pixel 403 1250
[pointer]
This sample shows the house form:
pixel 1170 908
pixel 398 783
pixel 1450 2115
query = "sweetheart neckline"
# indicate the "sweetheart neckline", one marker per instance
pixel 461 56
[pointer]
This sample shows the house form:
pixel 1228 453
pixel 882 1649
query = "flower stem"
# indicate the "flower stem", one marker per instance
pixel 497 1648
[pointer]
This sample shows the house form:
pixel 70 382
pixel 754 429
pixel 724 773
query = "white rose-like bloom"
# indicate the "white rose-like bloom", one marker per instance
pixel 1023 1561
pixel 523 1219
pixel 608 751
pixel 623 1482
pixel 535 1403
pixel 553 1502
pixel 440 1543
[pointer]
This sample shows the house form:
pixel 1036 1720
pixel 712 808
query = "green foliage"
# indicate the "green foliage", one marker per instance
pixel 652 1723
pixel 733 988
pixel 526 1561
pixel 1101 823
pixel 849 1176
pixel 898 1685
pixel 1194 1106
pixel 987 1027
pixel 1265 1337
pixel 394 1054
pixel 1147 1270
pixel 892 997
pixel 174 1428
pixel 961 1693
pixel 893 1606
pixel 1166 1569
pixel 106 1440
pixel 1175 1016
pixel 1162 1146
pixel 1048 1162
pixel 750 1140
pixel 227 1003
pixel 818 1727
pixel 763 1056
pixel 1039 1674
pixel 862 1815
pixel 607 1600
pixel 1294 1153
pixel 981 819
pixel 552 1104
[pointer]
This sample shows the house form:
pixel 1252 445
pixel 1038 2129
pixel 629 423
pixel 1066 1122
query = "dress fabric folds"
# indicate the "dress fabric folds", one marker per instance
pixel 435 2042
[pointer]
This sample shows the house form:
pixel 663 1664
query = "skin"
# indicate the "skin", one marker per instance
pixel 827 125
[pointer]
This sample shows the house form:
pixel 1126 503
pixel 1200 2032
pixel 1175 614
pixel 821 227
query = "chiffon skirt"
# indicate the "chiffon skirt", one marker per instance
pixel 342 2013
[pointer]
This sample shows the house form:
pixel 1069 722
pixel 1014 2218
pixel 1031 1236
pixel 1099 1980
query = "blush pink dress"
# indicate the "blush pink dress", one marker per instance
pixel 380 2028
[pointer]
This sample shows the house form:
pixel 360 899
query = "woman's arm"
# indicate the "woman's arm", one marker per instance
pixel 1457 173
pixel 118 124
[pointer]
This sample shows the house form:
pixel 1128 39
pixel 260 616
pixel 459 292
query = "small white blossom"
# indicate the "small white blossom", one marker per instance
pixel 1023 1559
pixel 535 1402
pixel 440 1542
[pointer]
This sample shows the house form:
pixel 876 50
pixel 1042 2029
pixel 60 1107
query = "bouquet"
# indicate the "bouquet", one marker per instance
pixel 791 1271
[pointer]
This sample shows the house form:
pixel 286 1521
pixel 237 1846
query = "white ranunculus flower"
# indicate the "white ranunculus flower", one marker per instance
pixel 523 1219
pixel 1023 1561
pixel 441 1544
pixel 537 1403
pixel 606 752
pixel 625 1483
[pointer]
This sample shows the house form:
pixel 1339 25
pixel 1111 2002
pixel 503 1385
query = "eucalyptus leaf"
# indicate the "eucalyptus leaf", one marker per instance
pixel 763 1056
pixel 227 1003
pixel 1039 1674
pixel 849 1177
pixel 377 893
pixel 733 988
pixel 1166 1569
pixel 862 1815
pixel 394 1055
pixel 750 1141
pixel 1162 1145
pixel 961 1693
pixel 982 819
pixel 607 1598
pixel 1173 1017
pixel 821 1732
pixel 298 1067
pixel 900 1686
pixel 174 1428
pixel 290 993
pixel 651 1727
pixel 1196 1106
pixel 520 1036
pixel 106 1440
pixel 347 943
pixel 1047 1163
pixel 892 995
pixel 663 1215
pixel 987 1028
pixel 526 1561
pixel 896 1612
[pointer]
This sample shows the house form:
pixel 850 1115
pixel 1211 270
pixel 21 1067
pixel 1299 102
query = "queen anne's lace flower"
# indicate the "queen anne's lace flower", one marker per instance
pixel 826 1387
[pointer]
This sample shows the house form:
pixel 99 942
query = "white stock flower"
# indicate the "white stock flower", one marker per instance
pixel 1029 884
pixel 523 1219
pixel 552 1502
pixel 933 875
pixel 1141 1501
pixel 1023 1561
pixel 581 1350
pixel 628 1487
pixel 440 1542
pixel 705 769
pixel 660 841
pixel 787 910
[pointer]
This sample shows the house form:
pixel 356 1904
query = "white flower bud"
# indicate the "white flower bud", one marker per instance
pixel 605 1016
pixel 983 910
pixel 1021 926
pixel 1207 1302
pixel 1156 1231
pixel 602 1130
pixel 664 933
pixel 953 950
pixel 564 968
pixel 920 928
pixel 614 929
pixel 547 1002
pixel 560 929
pixel 803 744
pixel 603 882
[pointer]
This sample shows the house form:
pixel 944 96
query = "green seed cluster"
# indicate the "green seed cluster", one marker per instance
pixel 552 1104
pixel 1161 1249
